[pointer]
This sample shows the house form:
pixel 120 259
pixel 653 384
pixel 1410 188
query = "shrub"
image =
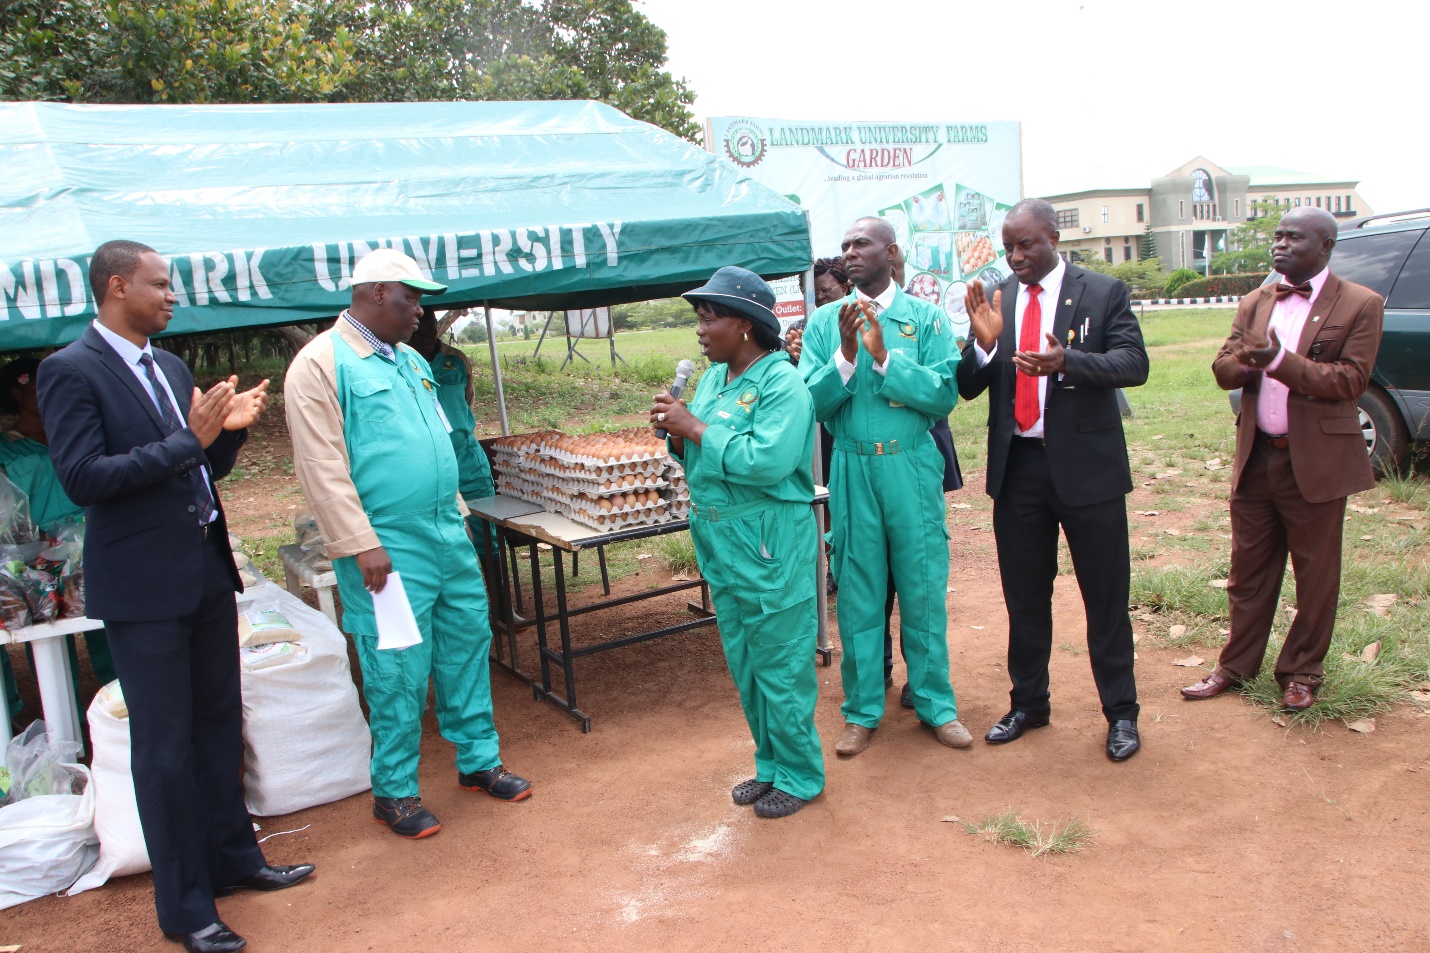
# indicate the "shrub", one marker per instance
pixel 1221 285
pixel 1178 278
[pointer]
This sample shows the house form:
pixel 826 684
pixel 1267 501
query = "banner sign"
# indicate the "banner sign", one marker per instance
pixel 945 187
pixel 789 301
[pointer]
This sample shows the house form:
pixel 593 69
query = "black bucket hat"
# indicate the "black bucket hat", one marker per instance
pixel 742 291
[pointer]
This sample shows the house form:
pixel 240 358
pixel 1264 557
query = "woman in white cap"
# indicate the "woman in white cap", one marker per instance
pixel 747 441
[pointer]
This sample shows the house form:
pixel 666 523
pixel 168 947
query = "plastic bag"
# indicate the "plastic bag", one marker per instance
pixel 66 561
pixel 47 842
pixel 37 766
pixel 15 525
pixel 264 622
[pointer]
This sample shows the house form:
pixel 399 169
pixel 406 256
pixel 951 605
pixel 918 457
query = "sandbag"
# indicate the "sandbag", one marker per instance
pixel 116 813
pixel 304 737
pixel 47 842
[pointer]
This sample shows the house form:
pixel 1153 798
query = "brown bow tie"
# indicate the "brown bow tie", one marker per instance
pixel 1284 291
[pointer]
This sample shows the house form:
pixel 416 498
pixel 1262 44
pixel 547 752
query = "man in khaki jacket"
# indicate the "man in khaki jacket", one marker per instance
pixel 373 452
pixel 1302 352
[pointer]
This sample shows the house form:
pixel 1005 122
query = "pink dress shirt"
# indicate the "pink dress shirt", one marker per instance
pixel 1288 318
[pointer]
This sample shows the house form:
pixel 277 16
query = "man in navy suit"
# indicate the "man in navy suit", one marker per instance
pixel 1051 350
pixel 140 448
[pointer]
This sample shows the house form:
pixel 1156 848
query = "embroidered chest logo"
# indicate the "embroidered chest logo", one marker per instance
pixel 747 401
pixel 908 329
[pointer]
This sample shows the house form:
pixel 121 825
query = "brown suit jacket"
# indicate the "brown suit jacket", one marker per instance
pixel 1326 372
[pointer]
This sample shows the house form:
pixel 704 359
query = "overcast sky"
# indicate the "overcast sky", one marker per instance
pixel 1110 93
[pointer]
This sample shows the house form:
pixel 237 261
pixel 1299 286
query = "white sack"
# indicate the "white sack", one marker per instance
pixel 46 842
pixel 116 813
pixel 304 737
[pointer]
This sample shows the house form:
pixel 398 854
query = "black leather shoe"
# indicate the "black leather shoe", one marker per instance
pixel 1122 740
pixel 271 877
pixel 498 782
pixel 214 938
pixel 1012 725
pixel 406 816
pixel 906 697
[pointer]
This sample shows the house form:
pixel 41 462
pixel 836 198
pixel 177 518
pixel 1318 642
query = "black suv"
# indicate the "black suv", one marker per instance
pixel 1390 254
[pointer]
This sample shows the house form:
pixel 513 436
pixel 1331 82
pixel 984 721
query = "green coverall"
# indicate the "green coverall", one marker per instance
pixel 26 463
pixel 755 537
pixel 886 501
pixel 474 470
pixel 405 472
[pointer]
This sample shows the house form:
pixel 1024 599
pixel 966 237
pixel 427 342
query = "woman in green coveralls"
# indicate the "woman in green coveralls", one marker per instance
pixel 747 442
pixel 25 461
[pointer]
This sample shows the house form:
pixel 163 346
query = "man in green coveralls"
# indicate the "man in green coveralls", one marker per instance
pixel 881 367
pixel 452 373
pixel 372 451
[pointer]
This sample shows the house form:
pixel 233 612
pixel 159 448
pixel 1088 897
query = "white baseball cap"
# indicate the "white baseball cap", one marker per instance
pixel 389 264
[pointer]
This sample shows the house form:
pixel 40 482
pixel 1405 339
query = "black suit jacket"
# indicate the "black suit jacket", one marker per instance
pixel 142 545
pixel 1082 425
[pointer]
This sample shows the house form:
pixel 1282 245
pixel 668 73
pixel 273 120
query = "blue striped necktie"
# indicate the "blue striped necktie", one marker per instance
pixel 203 498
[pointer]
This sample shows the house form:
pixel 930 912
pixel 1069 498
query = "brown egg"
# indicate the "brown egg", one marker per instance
pixel 604 504
pixel 630 499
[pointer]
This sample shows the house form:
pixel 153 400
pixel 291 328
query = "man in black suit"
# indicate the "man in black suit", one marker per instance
pixel 1057 457
pixel 136 444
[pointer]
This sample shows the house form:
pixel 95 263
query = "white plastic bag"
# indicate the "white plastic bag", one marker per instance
pixel 304 737
pixel 116 813
pixel 47 842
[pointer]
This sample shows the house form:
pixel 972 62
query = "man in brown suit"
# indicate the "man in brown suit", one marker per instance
pixel 1299 452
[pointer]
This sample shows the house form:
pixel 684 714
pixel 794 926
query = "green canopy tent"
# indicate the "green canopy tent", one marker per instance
pixel 263 210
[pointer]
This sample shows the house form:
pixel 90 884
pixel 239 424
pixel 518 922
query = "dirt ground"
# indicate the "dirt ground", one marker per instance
pixel 1226 832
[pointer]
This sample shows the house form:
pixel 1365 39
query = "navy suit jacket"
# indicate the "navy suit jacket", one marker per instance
pixel 143 555
pixel 1082 425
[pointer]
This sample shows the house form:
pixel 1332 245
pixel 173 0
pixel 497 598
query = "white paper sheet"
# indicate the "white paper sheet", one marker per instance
pixel 396 625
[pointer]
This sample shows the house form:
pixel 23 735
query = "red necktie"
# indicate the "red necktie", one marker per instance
pixel 1025 394
pixel 1284 291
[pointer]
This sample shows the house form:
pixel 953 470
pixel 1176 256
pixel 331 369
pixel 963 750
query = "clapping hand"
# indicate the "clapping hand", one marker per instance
pixel 1259 355
pixel 794 344
pixel 247 405
pixel 985 322
pixel 857 321
pixel 208 410
pixel 1041 363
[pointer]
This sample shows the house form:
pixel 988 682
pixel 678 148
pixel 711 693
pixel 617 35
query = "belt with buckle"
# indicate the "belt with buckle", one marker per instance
pixel 880 448
pixel 1272 440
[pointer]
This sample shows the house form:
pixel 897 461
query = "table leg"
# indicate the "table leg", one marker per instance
pixel 605 576
pixel 52 671
pixel 539 604
pixel 291 582
pixel 326 604
pixel 516 578
pixel 567 663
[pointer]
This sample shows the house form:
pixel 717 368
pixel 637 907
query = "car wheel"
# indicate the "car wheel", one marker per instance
pixel 1386 437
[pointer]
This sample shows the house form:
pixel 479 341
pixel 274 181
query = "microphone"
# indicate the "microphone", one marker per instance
pixel 683 370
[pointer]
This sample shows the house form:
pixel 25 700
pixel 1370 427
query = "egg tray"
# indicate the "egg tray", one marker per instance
pixel 644 515
pixel 596 470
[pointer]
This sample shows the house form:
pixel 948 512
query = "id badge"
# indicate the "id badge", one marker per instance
pixel 441 414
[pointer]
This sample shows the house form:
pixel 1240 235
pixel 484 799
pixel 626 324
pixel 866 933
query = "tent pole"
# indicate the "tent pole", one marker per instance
pixel 496 370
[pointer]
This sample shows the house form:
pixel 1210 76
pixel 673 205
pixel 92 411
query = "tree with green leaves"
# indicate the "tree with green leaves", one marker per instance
pixel 1249 244
pixel 278 51
pixel 1147 244
pixel 1143 274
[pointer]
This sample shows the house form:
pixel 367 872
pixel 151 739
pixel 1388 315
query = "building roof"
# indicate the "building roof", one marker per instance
pixel 1266 175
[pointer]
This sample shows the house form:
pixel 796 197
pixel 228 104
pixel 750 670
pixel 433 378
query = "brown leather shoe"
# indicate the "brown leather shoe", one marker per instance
pixel 853 739
pixel 1210 687
pixel 1299 696
pixel 953 734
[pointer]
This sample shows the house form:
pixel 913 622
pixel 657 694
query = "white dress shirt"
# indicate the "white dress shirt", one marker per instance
pixel 1288 319
pixel 130 353
pixel 1052 285
pixel 885 301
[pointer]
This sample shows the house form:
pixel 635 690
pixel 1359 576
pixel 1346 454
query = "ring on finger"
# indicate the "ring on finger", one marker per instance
pixel 660 417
